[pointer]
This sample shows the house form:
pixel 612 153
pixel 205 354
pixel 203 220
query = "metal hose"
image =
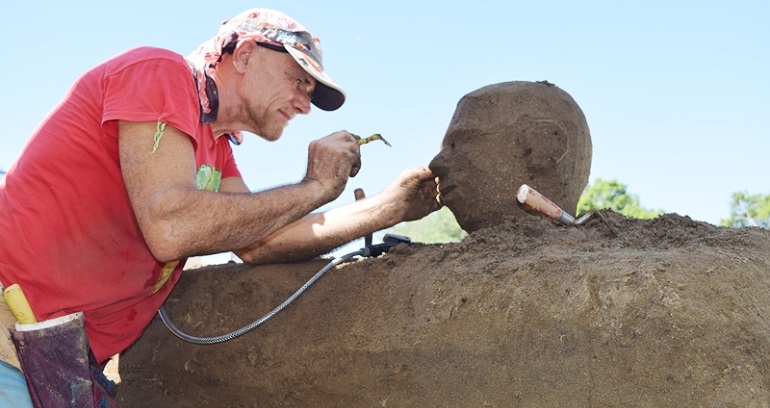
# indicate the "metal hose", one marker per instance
pixel 372 250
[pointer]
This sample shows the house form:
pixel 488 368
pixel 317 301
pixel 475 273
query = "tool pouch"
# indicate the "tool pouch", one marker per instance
pixel 58 365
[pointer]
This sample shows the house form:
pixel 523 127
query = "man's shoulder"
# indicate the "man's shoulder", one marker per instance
pixel 141 55
pixel 145 59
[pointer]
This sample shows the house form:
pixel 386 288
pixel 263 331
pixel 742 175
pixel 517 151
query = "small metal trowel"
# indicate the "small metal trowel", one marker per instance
pixel 531 198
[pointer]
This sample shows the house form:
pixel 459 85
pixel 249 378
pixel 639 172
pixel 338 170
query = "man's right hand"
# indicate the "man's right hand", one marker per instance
pixel 175 217
pixel 331 161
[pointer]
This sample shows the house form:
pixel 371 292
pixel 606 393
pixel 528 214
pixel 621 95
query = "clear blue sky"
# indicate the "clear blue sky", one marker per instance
pixel 676 93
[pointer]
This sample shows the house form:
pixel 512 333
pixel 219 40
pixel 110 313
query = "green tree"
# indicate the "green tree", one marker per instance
pixel 749 210
pixel 438 227
pixel 613 195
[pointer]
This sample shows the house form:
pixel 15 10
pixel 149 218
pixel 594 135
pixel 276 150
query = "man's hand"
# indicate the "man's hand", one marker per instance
pixel 410 197
pixel 414 193
pixel 174 216
pixel 332 160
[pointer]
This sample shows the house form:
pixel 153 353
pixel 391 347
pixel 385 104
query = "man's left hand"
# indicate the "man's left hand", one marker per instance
pixel 415 192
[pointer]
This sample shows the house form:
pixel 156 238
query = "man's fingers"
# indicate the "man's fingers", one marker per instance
pixel 429 194
pixel 356 166
pixel 428 188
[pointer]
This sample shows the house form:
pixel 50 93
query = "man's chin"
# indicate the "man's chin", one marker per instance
pixel 271 136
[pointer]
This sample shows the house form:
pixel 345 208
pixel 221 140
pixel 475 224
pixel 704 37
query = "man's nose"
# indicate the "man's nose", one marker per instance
pixel 303 105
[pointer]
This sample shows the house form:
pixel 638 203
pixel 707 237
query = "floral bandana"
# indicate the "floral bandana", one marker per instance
pixel 265 26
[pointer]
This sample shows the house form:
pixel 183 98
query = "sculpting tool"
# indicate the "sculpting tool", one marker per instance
pixel 18 304
pixel 540 203
pixel 372 138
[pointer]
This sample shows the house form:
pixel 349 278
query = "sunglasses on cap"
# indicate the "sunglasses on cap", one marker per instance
pixel 279 48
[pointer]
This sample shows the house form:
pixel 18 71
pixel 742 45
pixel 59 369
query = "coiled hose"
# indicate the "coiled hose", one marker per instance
pixel 372 250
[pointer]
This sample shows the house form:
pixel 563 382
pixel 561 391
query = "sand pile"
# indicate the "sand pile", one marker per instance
pixel 616 312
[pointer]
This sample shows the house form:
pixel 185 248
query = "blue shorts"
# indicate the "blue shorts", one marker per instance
pixel 13 388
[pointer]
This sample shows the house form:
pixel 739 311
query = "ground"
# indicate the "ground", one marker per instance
pixel 617 312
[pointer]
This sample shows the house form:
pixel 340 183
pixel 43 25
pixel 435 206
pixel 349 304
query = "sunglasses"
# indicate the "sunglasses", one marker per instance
pixel 279 48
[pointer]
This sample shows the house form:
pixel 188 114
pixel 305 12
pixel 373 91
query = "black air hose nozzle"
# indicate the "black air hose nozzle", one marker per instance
pixel 389 241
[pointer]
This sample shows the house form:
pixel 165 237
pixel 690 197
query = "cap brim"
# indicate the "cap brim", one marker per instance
pixel 327 95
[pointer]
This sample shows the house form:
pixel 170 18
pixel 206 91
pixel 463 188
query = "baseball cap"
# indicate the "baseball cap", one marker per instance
pixel 276 28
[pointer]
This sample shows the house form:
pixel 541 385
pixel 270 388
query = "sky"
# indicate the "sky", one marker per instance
pixel 675 93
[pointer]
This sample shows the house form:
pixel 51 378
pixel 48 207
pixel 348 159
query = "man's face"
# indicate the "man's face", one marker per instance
pixel 276 89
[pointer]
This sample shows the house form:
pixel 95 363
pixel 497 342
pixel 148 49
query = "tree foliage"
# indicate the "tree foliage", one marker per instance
pixel 615 196
pixel 749 210
pixel 438 227
pixel 441 226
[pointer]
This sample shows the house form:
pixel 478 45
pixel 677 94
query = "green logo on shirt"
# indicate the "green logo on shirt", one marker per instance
pixel 208 178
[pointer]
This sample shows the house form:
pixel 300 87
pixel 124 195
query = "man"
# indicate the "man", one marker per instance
pixel 133 172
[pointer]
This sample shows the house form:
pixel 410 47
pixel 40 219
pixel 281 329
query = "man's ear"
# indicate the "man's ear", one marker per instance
pixel 242 55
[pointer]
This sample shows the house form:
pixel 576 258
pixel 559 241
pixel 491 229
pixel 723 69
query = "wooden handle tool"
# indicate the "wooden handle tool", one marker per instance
pixel 538 202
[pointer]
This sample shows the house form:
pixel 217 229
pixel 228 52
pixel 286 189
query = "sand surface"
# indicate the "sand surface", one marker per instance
pixel 613 313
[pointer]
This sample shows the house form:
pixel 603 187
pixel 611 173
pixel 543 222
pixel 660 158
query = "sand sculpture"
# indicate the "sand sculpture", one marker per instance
pixel 504 135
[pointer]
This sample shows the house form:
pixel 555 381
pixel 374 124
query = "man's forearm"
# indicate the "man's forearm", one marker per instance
pixel 178 220
pixel 204 222
pixel 319 233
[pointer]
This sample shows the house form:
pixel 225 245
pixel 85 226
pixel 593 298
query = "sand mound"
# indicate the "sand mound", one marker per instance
pixel 615 312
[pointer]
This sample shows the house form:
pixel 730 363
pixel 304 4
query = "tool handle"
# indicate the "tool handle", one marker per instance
pixel 18 304
pixel 538 202
pixel 359 194
pixel 391 240
pixel 371 138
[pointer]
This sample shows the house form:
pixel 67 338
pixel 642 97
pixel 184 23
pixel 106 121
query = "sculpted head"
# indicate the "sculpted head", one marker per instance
pixel 504 135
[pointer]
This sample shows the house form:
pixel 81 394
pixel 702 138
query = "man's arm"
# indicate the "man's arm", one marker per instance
pixel 177 220
pixel 411 197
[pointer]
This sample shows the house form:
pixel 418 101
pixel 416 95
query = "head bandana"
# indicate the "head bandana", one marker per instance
pixel 265 26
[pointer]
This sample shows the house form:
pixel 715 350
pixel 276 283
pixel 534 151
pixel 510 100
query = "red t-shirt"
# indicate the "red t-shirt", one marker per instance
pixel 69 236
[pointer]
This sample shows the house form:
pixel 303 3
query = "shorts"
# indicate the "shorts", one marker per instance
pixel 13 388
